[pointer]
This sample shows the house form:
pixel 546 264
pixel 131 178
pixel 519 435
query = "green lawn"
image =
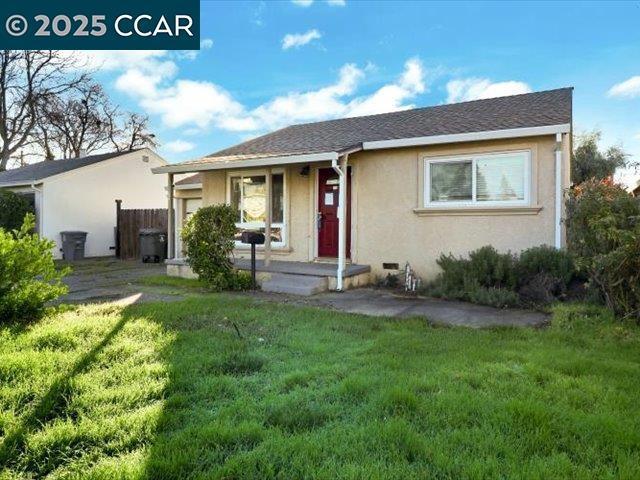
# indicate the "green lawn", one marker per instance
pixel 171 391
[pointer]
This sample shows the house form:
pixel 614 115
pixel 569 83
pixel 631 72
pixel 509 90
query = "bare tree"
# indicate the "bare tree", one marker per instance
pixel 133 132
pixel 76 123
pixel 84 120
pixel 29 79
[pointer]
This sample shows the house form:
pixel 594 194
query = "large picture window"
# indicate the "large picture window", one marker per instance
pixel 248 197
pixel 478 180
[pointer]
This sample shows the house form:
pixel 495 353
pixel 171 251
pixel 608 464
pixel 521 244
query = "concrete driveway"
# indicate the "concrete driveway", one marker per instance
pixel 107 279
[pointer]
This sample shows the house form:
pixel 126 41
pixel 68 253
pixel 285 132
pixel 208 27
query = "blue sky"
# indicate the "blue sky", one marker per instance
pixel 264 65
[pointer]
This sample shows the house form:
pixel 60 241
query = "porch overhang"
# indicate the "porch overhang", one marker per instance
pixel 246 161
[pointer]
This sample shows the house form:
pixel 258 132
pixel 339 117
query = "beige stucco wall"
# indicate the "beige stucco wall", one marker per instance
pixel 298 211
pixel 389 188
pixel 386 190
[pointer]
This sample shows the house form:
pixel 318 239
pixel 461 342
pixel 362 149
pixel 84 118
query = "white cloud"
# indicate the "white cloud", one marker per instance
pixel 297 40
pixel 337 3
pixel 179 146
pixel 199 103
pixel 312 105
pixel 195 106
pixel 138 83
pixel 478 88
pixel 392 97
pixel 205 44
pixel 114 59
pixel 630 88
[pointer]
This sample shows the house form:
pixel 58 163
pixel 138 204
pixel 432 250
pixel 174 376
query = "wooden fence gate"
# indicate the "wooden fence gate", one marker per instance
pixel 128 224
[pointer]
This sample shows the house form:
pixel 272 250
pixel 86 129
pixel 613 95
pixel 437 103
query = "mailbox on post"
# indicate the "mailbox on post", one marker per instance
pixel 253 238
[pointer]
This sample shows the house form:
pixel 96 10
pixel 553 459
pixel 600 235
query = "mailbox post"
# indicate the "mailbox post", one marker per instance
pixel 253 238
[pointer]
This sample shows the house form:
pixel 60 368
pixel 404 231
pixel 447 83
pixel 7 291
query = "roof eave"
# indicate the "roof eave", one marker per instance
pixel 372 145
pixel 247 163
pixel 21 183
pixel 468 137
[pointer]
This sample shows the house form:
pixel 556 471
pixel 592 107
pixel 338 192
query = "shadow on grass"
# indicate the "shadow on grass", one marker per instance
pixel 54 402
pixel 210 360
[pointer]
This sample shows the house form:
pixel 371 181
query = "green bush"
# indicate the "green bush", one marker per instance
pixel 492 269
pixel 28 275
pixel 539 275
pixel 603 224
pixel 548 260
pixel 594 210
pixel 485 267
pixel 486 277
pixel 13 208
pixel 494 297
pixel 617 275
pixel 208 240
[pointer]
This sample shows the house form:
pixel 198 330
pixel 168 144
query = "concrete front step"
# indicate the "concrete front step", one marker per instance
pixel 295 284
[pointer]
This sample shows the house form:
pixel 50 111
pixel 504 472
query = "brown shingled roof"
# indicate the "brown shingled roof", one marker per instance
pixel 191 180
pixel 552 107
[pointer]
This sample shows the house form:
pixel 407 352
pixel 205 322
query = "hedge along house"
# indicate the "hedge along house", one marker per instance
pixel 80 193
pixel 358 196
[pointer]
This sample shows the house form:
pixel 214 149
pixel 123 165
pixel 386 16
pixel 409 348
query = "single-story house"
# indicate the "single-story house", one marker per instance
pixel 359 197
pixel 78 194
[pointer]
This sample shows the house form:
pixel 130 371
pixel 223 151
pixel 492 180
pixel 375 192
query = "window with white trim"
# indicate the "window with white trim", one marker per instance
pixel 247 195
pixel 478 180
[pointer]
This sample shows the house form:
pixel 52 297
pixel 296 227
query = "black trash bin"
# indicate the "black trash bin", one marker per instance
pixel 153 245
pixel 73 245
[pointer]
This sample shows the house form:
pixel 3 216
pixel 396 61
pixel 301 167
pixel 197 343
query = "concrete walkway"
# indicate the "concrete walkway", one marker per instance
pixel 377 302
pixel 108 279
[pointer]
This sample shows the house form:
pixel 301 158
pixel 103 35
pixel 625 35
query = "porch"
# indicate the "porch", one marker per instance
pixel 301 202
pixel 300 278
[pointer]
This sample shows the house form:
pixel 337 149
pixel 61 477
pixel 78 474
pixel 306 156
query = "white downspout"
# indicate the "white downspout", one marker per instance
pixel 558 192
pixel 341 170
pixel 38 207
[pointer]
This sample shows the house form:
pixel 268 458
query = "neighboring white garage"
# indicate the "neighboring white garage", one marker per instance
pixel 80 193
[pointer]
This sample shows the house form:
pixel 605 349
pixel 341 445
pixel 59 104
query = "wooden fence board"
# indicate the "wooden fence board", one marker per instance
pixel 130 221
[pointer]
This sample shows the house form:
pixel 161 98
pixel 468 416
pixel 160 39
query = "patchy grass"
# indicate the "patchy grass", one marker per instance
pixel 172 390
pixel 187 284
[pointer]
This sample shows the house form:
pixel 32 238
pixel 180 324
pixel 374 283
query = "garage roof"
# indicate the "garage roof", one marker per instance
pixel 36 172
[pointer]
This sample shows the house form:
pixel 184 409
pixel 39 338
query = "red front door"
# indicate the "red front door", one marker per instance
pixel 327 219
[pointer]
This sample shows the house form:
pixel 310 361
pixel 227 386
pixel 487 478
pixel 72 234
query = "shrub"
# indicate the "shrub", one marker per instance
pixel 593 209
pixel 492 269
pixel 486 277
pixel 13 208
pixel 539 275
pixel 208 240
pixel 28 275
pixel 616 274
pixel 545 261
pixel 485 267
pixel 603 233
pixel 494 297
